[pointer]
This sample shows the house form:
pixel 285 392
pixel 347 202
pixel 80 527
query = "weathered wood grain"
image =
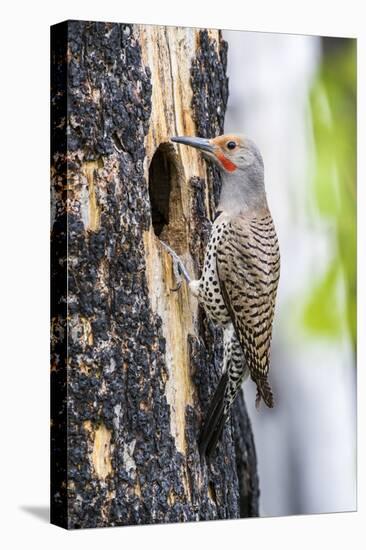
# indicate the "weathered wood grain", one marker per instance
pixel 133 364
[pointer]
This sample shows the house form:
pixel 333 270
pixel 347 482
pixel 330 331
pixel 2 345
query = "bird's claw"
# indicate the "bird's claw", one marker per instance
pixel 178 267
pixel 177 287
pixel 177 274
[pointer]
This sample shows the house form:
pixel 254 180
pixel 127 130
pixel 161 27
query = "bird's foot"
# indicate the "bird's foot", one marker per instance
pixel 178 267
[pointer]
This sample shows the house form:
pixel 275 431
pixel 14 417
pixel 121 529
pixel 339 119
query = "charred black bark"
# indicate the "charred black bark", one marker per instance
pixel 59 280
pixel 115 461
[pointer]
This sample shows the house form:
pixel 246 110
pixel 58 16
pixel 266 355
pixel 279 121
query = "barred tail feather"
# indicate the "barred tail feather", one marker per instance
pixel 264 391
pixel 215 419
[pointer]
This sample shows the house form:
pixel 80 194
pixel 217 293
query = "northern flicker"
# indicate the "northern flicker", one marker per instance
pixel 240 275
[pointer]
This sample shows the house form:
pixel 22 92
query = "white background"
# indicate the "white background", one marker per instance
pixel 24 218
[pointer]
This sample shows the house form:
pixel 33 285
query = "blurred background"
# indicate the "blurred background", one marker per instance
pixel 296 97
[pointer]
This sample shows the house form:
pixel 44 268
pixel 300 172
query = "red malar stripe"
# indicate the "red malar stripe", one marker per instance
pixel 227 164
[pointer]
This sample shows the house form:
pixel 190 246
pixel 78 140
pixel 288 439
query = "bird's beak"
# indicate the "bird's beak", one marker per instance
pixel 203 144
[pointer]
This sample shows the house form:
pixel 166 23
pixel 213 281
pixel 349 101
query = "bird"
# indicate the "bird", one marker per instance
pixel 240 275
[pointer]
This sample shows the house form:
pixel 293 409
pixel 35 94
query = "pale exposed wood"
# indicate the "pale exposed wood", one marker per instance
pixel 171 115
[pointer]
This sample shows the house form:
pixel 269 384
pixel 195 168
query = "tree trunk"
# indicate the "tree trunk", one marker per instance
pixel 134 365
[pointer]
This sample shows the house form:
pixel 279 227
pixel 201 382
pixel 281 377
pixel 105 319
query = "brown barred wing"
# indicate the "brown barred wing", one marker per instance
pixel 248 266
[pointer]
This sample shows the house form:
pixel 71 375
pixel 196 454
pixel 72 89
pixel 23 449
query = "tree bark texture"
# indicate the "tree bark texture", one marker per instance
pixel 133 364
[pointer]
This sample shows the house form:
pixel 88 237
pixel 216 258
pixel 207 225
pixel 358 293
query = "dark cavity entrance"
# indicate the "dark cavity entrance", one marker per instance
pixel 165 180
pixel 161 172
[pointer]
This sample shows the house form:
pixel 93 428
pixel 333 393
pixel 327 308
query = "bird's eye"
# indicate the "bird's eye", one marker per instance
pixel 231 145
